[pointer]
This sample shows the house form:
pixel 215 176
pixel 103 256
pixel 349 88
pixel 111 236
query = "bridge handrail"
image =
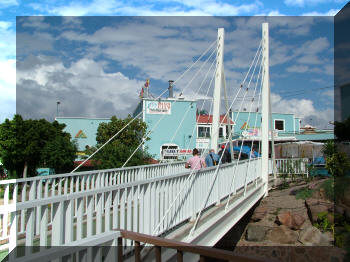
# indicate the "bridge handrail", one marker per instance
pixel 80 173
pixel 181 247
pixel 19 206
pixel 115 205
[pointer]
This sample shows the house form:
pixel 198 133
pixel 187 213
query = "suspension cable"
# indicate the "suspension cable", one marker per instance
pixel 162 117
pixel 139 114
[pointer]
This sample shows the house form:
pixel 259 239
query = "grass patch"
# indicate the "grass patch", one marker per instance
pixel 304 193
pixel 3 254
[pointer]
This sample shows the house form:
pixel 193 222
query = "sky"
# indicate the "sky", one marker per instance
pixel 94 56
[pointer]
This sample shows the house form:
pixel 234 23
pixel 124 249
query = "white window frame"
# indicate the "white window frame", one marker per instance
pixel 284 124
pixel 208 126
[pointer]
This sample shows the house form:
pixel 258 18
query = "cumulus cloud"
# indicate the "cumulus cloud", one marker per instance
pixel 83 88
pixel 298 69
pixel 303 108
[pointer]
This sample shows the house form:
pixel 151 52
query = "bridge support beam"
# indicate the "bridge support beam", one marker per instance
pixel 217 90
pixel 265 114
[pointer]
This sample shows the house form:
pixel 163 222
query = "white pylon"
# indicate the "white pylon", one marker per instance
pixel 217 90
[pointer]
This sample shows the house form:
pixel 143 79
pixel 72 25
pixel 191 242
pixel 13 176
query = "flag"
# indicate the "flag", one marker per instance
pixel 147 83
pixel 141 93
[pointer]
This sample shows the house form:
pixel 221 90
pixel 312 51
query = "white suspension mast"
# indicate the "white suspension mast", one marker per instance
pixel 217 90
pixel 265 114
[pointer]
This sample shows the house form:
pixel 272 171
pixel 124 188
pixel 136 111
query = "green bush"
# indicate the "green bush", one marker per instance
pixel 328 187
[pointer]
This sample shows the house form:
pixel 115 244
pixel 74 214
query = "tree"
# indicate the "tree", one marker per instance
pixel 117 151
pixel 59 153
pixel 23 143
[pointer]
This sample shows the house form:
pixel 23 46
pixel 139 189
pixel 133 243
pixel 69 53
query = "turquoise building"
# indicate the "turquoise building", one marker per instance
pixel 82 129
pixel 172 126
pixel 174 132
pixel 286 127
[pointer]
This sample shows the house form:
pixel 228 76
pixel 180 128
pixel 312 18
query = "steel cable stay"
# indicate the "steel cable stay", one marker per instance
pixel 207 50
pixel 225 148
pixel 191 173
pixel 187 179
pixel 184 116
pixel 139 114
pixel 240 151
pixel 246 127
pixel 162 117
pixel 197 117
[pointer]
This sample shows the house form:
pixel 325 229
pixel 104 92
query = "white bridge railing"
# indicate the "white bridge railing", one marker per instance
pixel 43 187
pixel 138 205
pixel 297 166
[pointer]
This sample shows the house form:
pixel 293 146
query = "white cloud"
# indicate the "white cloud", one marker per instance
pixel 331 12
pixel 304 109
pixel 8 3
pixel 302 3
pixel 83 88
pixel 298 69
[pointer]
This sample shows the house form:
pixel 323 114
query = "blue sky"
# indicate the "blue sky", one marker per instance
pixel 96 65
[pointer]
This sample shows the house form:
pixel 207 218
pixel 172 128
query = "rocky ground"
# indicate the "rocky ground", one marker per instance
pixel 281 227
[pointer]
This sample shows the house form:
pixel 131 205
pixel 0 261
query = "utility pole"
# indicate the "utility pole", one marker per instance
pixel 58 102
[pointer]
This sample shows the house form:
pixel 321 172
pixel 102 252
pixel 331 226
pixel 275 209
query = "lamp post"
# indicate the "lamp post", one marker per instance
pixel 58 102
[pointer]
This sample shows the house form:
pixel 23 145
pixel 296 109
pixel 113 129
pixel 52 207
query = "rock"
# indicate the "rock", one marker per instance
pixel 259 213
pixel 315 207
pixel 316 194
pixel 282 235
pixel 311 236
pixel 323 193
pixel 339 210
pixel 330 218
pixel 292 221
pixel 255 233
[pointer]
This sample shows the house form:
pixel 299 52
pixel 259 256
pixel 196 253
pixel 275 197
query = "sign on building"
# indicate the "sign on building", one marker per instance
pixel 156 107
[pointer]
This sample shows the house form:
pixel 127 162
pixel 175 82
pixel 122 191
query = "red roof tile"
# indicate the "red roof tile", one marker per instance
pixel 208 119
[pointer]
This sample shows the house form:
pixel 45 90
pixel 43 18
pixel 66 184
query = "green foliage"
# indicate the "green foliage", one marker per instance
pixel 338 164
pixel 22 143
pixel 118 151
pixel 328 187
pixel 304 193
pixel 329 148
pixel 59 153
pixel 323 223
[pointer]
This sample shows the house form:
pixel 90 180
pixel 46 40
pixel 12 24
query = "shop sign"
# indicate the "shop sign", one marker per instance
pixel 256 132
pixel 176 152
pixel 156 107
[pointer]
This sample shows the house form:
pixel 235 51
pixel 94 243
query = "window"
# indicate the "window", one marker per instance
pixel 228 132
pixel 204 131
pixel 279 125
pixel 221 130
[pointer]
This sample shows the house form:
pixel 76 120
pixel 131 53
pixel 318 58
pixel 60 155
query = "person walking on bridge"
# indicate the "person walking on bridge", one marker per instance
pixel 212 159
pixel 195 162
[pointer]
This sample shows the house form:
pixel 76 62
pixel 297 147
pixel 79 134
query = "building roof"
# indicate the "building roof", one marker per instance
pixel 208 119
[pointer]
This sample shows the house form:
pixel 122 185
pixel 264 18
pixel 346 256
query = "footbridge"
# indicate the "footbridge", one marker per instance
pixel 131 211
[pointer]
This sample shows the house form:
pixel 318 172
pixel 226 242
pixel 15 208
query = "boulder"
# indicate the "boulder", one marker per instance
pixel 292 221
pixel 315 207
pixel 311 236
pixel 255 233
pixel 282 235
pixel 259 213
